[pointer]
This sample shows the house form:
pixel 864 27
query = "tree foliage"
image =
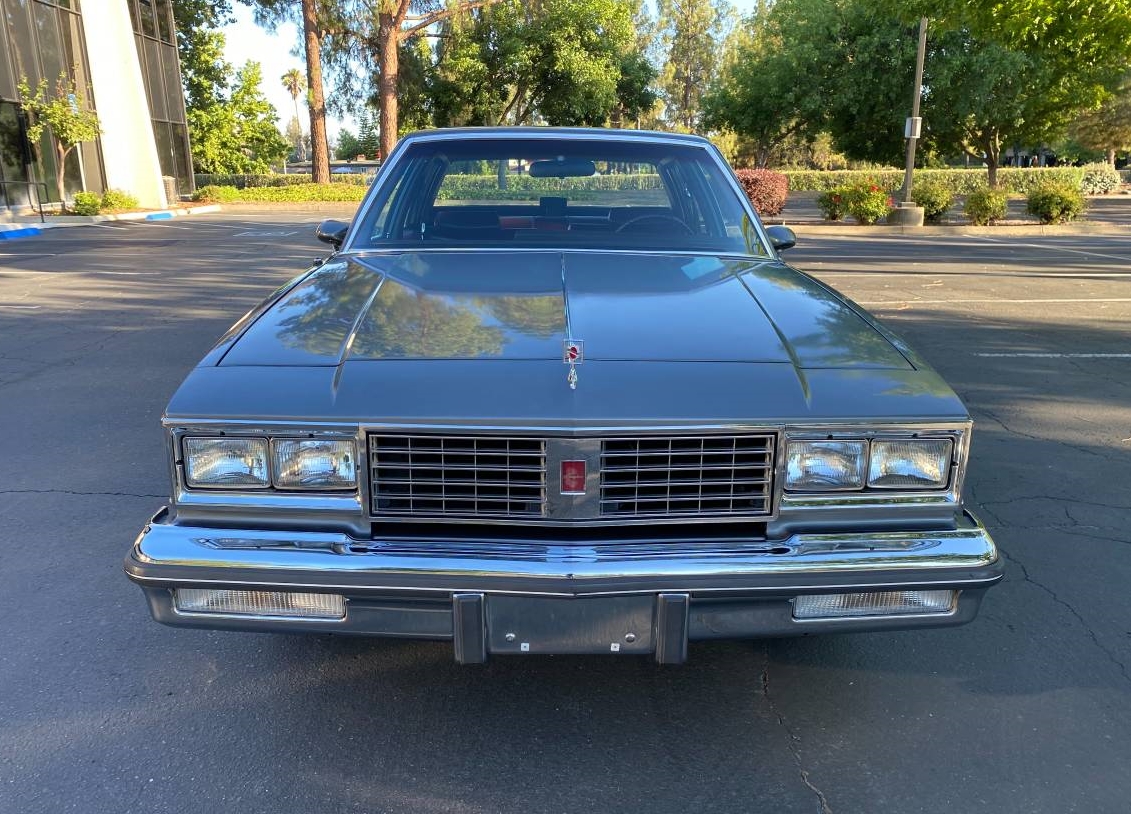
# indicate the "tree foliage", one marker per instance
pixel 563 62
pixel 692 33
pixel 238 134
pixel 1108 128
pixel 65 113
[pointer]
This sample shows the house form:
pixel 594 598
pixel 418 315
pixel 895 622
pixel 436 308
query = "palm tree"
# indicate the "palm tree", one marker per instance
pixel 295 83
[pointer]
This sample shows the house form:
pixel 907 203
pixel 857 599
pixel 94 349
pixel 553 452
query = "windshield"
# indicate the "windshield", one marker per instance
pixel 559 193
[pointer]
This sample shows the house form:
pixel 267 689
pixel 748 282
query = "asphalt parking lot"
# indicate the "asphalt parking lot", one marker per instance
pixel 1026 710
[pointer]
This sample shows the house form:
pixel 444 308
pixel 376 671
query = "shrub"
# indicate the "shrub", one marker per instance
pixel 271 179
pixel 87 203
pixel 1055 203
pixel 116 199
pixel 216 194
pixel 935 198
pixel 1100 179
pixel 868 203
pixel 300 193
pixel 766 189
pixel 985 206
pixel 958 180
pixel 833 203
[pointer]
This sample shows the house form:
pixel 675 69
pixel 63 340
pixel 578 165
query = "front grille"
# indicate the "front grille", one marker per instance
pixel 445 476
pixel 687 476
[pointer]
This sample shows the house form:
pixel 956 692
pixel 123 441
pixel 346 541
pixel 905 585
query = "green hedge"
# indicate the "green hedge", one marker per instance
pixel 296 193
pixel 475 187
pixel 241 181
pixel 958 181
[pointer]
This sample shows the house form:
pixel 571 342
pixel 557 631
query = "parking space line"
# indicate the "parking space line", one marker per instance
pixel 1054 355
pixel 994 299
pixel 1054 247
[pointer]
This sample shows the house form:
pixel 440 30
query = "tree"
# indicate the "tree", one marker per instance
pixel 317 19
pixel 1107 128
pixel 295 83
pixel 348 147
pixel 693 32
pixel 66 114
pixel 200 47
pixel 757 94
pixel 238 134
pixel 368 139
pixel 559 61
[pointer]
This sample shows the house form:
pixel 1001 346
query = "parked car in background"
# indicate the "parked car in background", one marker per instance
pixel 556 392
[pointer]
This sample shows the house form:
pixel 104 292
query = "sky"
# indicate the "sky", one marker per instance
pixel 245 40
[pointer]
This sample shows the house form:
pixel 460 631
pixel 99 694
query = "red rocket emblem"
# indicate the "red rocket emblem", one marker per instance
pixel 573 353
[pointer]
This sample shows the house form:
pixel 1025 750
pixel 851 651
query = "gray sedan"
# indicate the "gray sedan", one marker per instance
pixel 555 392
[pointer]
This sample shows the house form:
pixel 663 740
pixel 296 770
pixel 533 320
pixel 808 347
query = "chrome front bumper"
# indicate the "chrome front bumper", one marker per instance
pixel 438 589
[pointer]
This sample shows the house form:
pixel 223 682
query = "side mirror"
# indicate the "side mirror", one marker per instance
pixel 332 232
pixel 781 237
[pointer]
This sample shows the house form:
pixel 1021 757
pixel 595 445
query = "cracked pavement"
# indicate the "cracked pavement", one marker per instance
pixel 1027 709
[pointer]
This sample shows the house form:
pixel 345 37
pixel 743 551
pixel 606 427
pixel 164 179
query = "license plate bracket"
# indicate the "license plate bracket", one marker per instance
pixel 523 624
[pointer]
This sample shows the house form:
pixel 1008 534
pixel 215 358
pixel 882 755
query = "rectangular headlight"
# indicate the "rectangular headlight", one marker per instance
pixel 823 466
pixel 917 463
pixel 226 463
pixel 315 464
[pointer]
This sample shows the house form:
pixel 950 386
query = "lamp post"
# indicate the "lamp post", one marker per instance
pixel 908 213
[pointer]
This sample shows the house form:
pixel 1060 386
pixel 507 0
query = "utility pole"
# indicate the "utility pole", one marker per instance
pixel 915 124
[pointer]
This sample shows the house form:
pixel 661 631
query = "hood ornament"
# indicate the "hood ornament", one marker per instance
pixel 573 354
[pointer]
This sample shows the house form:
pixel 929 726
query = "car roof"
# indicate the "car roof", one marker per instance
pixel 576 133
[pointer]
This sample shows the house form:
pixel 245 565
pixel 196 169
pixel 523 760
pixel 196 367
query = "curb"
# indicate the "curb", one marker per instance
pixel 1064 229
pixel 11 231
pixel 312 207
pixel 163 214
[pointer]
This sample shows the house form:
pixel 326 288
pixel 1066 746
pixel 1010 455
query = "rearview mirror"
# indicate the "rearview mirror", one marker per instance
pixel 332 232
pixel 781 237
pixel 563 168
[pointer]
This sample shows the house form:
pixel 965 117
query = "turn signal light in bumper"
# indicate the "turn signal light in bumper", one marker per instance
pixel 289 604
pixel 873 603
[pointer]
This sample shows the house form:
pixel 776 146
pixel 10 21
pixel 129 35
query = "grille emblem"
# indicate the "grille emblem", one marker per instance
pixel 573 477
pixel 573 354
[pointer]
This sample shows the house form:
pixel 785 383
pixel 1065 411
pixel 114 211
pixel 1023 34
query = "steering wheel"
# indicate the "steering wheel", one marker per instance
pixel 658 220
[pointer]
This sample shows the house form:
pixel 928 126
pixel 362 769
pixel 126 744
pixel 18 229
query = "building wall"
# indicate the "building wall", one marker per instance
pixel 155 35
pixel 41 39
pixel 122 54
pixel 128 146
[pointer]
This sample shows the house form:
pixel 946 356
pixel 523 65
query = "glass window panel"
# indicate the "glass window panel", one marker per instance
pixel 51 55
pixel 133 16
pixel 43 169
pixel 72 177
pixel 17 15
pixel 174 94
pixel 154 82
pixel 92 167
pixel 148 23
pixel 75 51
pixel 164 13
pixel 7 80
pixel 164 137
pixel 181 159
pixel 13 154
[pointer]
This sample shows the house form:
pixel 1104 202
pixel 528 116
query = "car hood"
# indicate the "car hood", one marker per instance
pixel 521 306
pixel 668 340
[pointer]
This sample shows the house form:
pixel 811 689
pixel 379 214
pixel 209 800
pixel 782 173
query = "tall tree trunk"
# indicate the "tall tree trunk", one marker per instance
pixel 1110 154
pixel 389 41
pixel 319 146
